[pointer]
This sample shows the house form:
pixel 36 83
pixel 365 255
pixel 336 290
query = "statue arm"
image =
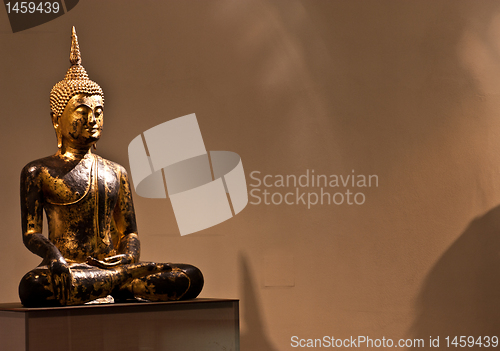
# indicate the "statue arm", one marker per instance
pixel 124 216
pixel 32 215
pixel 34 240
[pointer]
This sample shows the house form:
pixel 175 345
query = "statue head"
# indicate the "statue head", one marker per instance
pixel 76 102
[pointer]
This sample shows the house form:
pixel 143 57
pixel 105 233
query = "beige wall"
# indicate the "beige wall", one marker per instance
pixel 406 90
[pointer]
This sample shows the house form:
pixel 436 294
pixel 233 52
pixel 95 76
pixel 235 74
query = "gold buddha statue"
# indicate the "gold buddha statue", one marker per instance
pixel 92 250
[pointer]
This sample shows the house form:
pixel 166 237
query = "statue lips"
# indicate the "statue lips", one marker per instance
pixel 94 132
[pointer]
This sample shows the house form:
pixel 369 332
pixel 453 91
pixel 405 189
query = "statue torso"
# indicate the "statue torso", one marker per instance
pixel 79 200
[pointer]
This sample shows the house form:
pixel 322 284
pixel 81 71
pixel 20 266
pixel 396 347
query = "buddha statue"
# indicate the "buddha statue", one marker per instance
pixel 92 248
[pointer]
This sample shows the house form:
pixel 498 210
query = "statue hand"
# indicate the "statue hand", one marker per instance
pixel 109 262
pixel 62 281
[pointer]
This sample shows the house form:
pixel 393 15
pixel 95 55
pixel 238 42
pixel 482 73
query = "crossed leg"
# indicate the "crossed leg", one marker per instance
pixel 146 280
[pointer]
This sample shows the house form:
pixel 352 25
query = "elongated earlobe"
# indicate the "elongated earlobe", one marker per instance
pixel 56 128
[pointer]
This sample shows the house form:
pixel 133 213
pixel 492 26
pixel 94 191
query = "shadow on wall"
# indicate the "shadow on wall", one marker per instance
pixel 461 295
pixel 255 338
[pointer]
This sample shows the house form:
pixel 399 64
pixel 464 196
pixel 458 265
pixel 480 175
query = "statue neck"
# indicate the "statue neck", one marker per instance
pixel 69 152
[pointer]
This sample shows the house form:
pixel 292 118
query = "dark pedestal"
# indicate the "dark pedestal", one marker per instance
pixel 200 324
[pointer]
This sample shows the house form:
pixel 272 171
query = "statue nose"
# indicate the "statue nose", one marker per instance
pixel 92 119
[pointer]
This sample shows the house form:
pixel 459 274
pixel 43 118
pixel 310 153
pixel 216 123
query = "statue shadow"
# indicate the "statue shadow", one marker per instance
pixel 255 337
pixel 461 294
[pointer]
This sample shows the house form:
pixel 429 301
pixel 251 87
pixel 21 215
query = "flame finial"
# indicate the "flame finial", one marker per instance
pixel 75 57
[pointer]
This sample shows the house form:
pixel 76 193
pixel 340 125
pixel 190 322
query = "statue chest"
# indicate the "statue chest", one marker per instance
pixel 79 204
pixel 90 183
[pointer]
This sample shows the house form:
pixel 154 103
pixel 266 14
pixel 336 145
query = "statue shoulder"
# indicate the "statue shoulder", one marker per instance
pixel 34 168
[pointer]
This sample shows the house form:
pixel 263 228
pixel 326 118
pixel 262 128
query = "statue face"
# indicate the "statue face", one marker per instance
pixel 81 121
